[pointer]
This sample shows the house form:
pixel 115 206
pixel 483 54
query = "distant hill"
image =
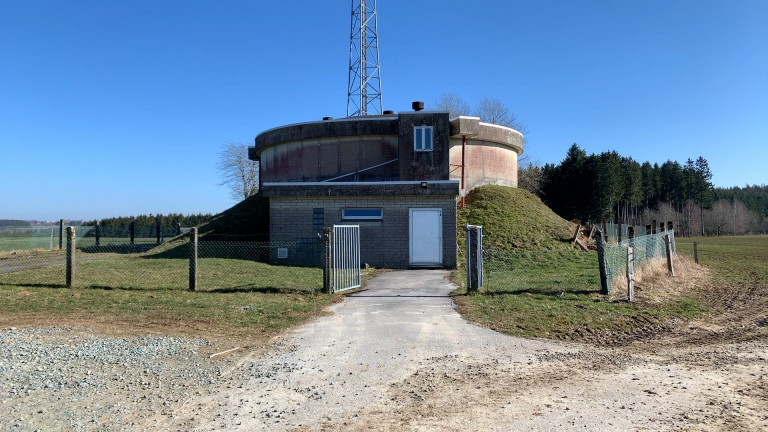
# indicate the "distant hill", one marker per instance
pixel 513 218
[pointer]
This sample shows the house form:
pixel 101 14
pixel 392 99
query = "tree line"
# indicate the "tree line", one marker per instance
pixel 169 221
pixel 608 186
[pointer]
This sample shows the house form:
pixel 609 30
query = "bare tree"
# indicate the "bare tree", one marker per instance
pixel 491 110
pixel 451 102
pixel 530 175
pixel 239 173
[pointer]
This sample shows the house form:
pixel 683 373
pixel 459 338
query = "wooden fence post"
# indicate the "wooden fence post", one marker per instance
pixel 668 244
pixel 604 288
pixel 61 234
pixel 70 256
pixel 631 274
pixel 193 259
pixel 696 252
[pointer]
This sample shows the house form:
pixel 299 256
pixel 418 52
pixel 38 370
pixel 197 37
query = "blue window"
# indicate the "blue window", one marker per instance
pixel 422 138
pixel 362 214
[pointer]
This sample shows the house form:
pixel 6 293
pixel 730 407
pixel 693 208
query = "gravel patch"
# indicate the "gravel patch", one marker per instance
pixel 55 375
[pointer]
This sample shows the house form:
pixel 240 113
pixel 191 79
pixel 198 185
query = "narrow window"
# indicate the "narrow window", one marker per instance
pixel 422 138
pixel 362 214
pixel 318 218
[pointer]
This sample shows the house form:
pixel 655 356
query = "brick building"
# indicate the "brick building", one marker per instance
pixel 397 176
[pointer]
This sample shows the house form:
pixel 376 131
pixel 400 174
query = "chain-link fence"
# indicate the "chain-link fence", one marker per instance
pixel 647 247
pixel 222 266
pixel 23 238
pixel 549 272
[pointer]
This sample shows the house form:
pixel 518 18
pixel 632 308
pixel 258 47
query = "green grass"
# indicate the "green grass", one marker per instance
pixel 742 259
pixel 233 295
pixel 536 285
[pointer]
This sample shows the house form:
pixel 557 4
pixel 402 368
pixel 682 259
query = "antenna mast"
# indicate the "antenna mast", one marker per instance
pixel 364 83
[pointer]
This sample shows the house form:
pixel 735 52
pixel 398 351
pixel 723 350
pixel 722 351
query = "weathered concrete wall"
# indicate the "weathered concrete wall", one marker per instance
pixel 491 153
pixel 383 243
pixel 424 165
pixel 320 159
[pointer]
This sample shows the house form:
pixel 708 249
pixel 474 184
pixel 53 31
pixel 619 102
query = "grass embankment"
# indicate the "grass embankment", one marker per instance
pixel 541 286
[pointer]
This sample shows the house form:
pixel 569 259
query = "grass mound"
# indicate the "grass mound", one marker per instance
pixel 248 218
pixel 514 218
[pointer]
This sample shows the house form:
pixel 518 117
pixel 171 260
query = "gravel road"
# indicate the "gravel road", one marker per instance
pixel 396 356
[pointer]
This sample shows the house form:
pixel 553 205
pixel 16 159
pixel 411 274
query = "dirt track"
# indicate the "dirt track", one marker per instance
pixel 398 357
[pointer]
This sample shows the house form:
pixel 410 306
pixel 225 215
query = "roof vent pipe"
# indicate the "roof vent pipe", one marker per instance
pixel 417 105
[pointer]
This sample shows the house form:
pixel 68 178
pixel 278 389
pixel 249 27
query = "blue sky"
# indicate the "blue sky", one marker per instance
pixel 121 107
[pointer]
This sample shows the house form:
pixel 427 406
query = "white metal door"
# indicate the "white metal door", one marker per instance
pixel 426 236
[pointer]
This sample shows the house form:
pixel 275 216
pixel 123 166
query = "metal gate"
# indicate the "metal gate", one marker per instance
pixel 346 257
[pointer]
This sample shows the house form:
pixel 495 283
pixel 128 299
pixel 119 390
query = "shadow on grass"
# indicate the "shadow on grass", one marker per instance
pixel 542 291
pixel 120 249
pixel 264 290
pixel 38 285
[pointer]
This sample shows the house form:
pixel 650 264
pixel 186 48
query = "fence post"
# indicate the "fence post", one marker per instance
pixel 61 234
pixel 631 274
pixel 604 288
pixel 668 244
pixel 70 256
pixel 192 259
pixel 696 252
pixel 133 232
pixel 157 231
pixel 98 233
pixel 328 258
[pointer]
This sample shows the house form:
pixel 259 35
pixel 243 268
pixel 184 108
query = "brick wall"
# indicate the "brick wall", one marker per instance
pixel 383 243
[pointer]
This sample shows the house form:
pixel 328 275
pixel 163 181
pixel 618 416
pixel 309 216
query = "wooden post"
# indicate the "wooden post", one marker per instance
pixel 576 235
pixel 193 259
pixel 604 288
pixel 61 234
pixel 631 274
pixel 668 244
pixel 98 233
pixel 696 252
pixel 70 256
pixel 157 231
pixel 133 232
pixel 328 267
pixel 605 231
pixel 631 235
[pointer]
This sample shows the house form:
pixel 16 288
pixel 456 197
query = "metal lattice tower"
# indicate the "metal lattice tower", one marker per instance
pixel 364 84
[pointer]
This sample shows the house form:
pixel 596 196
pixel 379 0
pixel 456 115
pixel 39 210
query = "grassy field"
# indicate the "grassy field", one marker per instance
pixel 742 259
pixel 240 298
pixel 530 308
pixel 537 285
